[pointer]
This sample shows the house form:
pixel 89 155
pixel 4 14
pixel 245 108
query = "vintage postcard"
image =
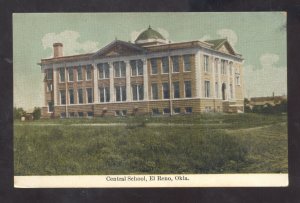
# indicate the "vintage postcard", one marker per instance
pixel 150 99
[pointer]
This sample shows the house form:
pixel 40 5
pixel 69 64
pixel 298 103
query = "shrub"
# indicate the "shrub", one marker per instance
pixel 18 113
pixel 36 113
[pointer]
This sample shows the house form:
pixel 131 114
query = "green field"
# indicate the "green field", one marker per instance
pixel 205 143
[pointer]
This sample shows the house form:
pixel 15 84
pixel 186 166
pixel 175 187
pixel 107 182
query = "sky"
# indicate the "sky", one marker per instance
pixel 259 36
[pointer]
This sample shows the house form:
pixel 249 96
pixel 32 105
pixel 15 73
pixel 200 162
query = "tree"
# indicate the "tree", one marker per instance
pixel 36 113
pixel 18 113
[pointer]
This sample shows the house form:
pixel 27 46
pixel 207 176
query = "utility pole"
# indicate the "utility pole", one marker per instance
pixel 170 83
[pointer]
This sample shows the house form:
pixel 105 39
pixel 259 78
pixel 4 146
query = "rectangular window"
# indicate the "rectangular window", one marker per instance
pixel 136 67
pixel 176 92
pixel 207 109
pixel 206 68
pixel 124 112
pixel 207 88
pixel 187 89
pixel 104 94
pixel 137 92
pixel 103 70
pixel 155 111
pixel 62 97
pixel 61 75
pixel 88 72
pixel 175 64
pixel 237 79
pixel 50 106
pixel 216 66
pixel 49 74
pixel 89 94
pixel 231 91
pixel 79 73
pixel 70 74
pixel 223 68
pixel 90 114
pixel 63 115
pixel 166 91
pixel 119 69
pixel 176 110
pixel 120 93
pixel 166 110
pixel 188 110
pixel 165 64
pixel 217 90
pixel 154 91
pixel 80 114
pixel 49 87
pixel 72 114
pixel 80 96
pixel 71 96
pixel 187 62
pixel 153 66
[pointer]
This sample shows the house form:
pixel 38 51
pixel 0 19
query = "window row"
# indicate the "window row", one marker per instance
pixel 103 71
pixel 174 61
pixel 166 90
pixel 71 95
pixel 207 90
pixel 88 114
pixel 206 66
pixel 176 110
pixel 123 112
pixel 70 73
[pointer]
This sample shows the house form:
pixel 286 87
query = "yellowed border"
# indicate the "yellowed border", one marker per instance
pixel 136 181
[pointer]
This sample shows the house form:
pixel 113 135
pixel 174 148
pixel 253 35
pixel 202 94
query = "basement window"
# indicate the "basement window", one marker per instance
pixel 155 112
pixel 188 110
pixel 166 110
pixel 176 110
pixel 90 114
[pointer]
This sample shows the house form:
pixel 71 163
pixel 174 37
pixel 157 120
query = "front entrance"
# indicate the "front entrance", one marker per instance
pixel 223 91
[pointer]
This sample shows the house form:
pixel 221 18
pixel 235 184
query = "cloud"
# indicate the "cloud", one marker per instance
pixel 71 43
pixel 267 79
pixel 268 59
pixel 163 32
pixel 134 34
pixel 204 38
pixel 229 34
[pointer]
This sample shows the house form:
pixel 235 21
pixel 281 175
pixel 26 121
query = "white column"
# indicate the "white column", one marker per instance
pixel 219 79
pixel 213 77
pixel 111 82
pixel 197 75
pixel 233 80
pixel 95 80
pixel 54 85
pixel 145 73
pixel 228 80
pixel 128 87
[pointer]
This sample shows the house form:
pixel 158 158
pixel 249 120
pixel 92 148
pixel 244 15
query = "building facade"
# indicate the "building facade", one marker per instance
pixel 149 76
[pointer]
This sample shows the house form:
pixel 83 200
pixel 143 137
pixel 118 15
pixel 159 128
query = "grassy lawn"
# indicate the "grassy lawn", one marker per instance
pixel 206 143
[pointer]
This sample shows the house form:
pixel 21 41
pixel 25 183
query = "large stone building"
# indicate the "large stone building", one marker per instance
pixel 149 76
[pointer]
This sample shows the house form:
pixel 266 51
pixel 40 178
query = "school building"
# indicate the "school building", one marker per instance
pixel 150 76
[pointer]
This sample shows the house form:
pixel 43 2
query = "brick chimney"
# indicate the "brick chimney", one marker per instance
pixel 57 50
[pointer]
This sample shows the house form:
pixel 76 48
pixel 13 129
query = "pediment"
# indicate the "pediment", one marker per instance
pixel 119 48
pixel 226 48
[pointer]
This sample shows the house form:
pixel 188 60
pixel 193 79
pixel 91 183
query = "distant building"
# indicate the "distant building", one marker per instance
pixel 149 76
pixel 264 101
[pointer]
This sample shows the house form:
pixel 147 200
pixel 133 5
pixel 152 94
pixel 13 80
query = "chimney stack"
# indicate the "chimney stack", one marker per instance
pixel 57 50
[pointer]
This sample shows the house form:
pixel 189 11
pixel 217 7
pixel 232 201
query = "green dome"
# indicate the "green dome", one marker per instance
pixel 149 34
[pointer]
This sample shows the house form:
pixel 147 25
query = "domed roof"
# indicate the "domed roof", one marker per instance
pixel 150 34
